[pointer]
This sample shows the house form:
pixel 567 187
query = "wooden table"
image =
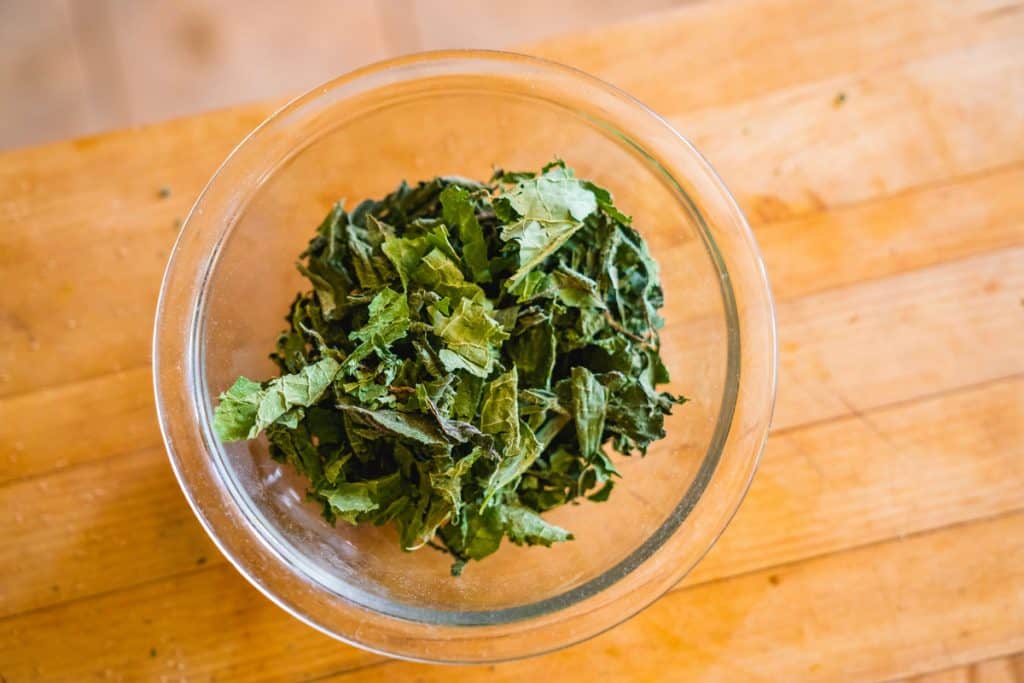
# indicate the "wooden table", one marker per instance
pixel 878 149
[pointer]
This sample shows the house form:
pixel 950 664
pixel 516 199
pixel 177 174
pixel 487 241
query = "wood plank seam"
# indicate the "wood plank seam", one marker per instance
pixel 348 671
pixel 219 560
pixel 933 184
pixel 975 662
pixel 383 661
pixel 856 413
pixel 802 214
pixel 213 564
pixel 775 431
pixel 757 226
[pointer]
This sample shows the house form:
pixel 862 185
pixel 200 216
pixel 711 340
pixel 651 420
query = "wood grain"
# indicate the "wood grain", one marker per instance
pixel 70 424
pixel 998 670
pixel 80 334
pixel 823 250
pixel 831 362
pixel 882 536
pixel 710 55
pixel 845 617
pixel 902 126
pixel 852 617
pixel 810 498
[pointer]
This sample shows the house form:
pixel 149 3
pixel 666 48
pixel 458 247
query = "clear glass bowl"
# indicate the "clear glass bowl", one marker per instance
pixel 231 277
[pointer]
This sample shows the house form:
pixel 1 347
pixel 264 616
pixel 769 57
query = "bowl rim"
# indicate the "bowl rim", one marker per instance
pixel 160 332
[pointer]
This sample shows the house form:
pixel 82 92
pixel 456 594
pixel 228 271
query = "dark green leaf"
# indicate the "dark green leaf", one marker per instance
pixel 405 426
pixel 533 353
pixel 478 535
pixel 604 200
pixel 524 526
pixel 589 404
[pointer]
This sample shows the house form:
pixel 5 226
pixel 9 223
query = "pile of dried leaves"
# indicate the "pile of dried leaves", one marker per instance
pixel 465 355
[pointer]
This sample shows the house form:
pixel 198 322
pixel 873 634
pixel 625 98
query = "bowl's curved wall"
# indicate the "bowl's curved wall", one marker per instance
pixel 232 276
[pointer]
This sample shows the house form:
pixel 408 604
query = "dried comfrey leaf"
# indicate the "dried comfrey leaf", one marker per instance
pixel 468 356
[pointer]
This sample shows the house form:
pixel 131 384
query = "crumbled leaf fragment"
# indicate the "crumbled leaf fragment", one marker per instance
pixel 524 526
pixel 589 405
pixel 460 215
pixel 550 209
pixel 471 338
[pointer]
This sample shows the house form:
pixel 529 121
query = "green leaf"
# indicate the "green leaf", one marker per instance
pixel 576 289
pixel 456 431
pixel 499 412
pixel 554 196
pixel 246 408
pixel 458 212
pixel 438 273
pixel 331 286
pixel 471 338
pixel 389 318
pixel 351 501
pixel 632 414
pixel 550 208
pixel 293 445
pixel 517 459
pixel 602 495
pixel 533 351
pixel 235 415
pixel 524 526
pixel 332 280
pixel 589 405
pixel 410 427
pixel 405 254
pixel 305 387
pixel 371 267
pixel 449 481
pixel 478 535
pixel 424 525
pixel 326 425
pixel 389 322
pixel 534 285
pixel 467 396
pixel 607 204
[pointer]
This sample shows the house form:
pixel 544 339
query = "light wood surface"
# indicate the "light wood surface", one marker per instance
pixel 883 537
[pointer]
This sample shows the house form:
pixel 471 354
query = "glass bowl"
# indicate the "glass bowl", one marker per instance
pixel 231 278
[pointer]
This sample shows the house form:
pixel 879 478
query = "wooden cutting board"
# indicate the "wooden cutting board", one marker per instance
pixel 878 149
